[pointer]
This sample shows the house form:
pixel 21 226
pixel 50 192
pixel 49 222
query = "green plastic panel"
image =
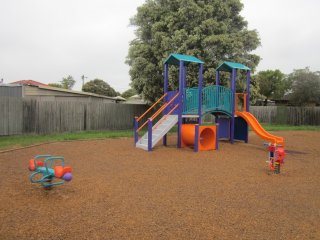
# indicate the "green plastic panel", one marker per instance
pixel 175 59
pixel 214 99
pixel 228 66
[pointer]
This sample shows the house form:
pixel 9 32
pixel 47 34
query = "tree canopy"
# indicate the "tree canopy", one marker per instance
pixel 68 82
pixel 305 87
pixel 272 83
pixel 211 30
pixel 57 85
pixel 65 83
pixel 100 87
pixel 128 93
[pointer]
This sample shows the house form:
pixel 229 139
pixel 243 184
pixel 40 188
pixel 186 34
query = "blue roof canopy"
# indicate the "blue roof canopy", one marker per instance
pixel 228 66
pixel 175 59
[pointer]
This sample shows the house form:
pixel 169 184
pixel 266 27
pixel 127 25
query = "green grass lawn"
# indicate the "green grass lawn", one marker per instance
pixel 26 140
pixel 7 142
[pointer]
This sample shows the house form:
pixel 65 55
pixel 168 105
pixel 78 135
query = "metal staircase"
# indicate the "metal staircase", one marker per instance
pixel 158 131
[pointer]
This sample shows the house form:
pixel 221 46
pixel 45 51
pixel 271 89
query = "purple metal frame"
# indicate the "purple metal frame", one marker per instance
pixel 196 138
pixel 149 134
pixel 165 90
pixel 217 136
pixel 200 93
pixel 217 78
pixel 136 137
pixel 248 92
pixel 233 89
pixel 181 80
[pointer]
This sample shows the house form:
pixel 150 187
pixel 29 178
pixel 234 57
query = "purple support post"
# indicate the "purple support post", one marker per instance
pixel 165 90
pixel 248 92
pixel 166 80
pixel 164 140
pixel 135 126
pixel 181 67
pixel 217 136
pixel 233 89
pixel 196 138
pixel 217 78
pixel 200 93
pixel 149 134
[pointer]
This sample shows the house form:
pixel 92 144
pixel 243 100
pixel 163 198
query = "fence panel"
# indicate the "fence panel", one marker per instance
pixel 287 115
pixel 18 116
pixel 11 118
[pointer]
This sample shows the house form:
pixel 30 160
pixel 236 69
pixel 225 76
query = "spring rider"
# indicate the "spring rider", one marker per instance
pixel 276 157
pixel 47 168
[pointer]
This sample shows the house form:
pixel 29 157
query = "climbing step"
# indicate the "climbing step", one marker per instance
pixel 158 131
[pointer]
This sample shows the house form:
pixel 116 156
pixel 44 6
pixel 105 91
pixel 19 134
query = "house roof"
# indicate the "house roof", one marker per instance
pixel 175 59
pixel 74 92
pixel 29 82
pixel 228 66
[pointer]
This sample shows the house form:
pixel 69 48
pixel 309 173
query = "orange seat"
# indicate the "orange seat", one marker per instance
pixel 58 171
pixel 67 169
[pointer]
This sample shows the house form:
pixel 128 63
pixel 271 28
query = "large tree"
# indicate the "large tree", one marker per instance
pixel 273 84
pixel 305 87
pixel 100 87
pixel 212 30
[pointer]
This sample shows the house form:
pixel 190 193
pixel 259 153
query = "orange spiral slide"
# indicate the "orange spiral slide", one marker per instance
pixel 259 130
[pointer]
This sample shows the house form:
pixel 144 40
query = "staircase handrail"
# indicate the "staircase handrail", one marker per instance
pixel 165 117
pixel 149 109
pixel 164 106
pixel 158 112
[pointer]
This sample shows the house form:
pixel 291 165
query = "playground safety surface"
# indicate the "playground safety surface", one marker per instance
pixel 120 192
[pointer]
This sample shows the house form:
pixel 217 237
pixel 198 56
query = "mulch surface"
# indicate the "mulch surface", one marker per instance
pixel 120 192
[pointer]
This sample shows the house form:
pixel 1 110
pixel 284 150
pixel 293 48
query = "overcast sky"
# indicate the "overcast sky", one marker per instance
pixel 45 40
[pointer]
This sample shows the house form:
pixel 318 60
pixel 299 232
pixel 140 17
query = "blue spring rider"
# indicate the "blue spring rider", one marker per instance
pixel 47 168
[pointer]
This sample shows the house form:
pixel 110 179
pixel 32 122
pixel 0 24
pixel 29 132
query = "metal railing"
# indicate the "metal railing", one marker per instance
pixel 214 98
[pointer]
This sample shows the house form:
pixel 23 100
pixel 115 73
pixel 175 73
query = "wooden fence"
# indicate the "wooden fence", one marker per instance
pixel 19 116
pixel 283 115
pixel 287 115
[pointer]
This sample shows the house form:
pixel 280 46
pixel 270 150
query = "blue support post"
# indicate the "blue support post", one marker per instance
pixel 196 138
pixel 248 92
pixel 135 130
pixel 165 90
pixel 166 80
pixel 217 78
pixel 181 75
pixel 149 134
pixel 217 136
pixel 233 89
pixel 200 93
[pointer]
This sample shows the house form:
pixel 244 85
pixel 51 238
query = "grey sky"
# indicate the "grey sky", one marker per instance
pixel 46 40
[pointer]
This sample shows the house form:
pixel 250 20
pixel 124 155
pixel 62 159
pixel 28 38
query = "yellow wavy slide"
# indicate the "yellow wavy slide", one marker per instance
pixel 259 130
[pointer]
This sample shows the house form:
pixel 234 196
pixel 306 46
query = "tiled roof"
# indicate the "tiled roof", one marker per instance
pixel 30 82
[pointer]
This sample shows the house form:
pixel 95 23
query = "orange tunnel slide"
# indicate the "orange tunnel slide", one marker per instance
pixel 207 136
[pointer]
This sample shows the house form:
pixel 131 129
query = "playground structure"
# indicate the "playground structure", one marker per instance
pixel 183 105
pixel 45 170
